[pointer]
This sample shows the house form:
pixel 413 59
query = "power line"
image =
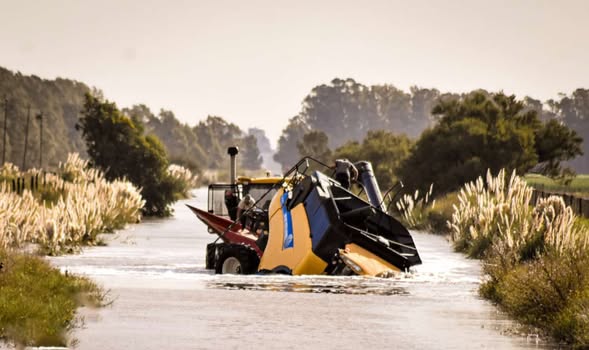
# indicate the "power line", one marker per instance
pixel 4 138
pixel 24 157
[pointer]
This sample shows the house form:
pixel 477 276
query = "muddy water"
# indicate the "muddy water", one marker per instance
pixel 164 298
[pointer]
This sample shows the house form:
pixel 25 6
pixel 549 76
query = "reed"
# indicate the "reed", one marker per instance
pixel 413 208
pixel 183 178
pixel 498 211
pixel 70 209
pixel 536 259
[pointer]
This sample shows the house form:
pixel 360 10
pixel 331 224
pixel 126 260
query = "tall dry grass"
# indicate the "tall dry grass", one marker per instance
pixel 414 208
pixel 497 211
pixel 536 259
pixel 183 178
pixel 83 205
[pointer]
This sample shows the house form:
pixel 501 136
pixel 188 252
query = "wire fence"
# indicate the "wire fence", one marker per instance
pixel 579 205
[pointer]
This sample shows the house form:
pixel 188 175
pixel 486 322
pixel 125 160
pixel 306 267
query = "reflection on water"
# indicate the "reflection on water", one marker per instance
pixel 329 285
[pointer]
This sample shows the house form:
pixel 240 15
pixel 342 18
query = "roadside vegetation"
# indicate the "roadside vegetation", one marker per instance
pixel 535 258
pixel 38 303
pixel 53 214
pixel 66 210
pixel 43 213
pixel 118 146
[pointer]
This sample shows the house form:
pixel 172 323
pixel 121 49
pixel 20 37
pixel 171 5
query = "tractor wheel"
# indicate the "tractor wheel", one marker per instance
pixel 236 259
pixel 211 255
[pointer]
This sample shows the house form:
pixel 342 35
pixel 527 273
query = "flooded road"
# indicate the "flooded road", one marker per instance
pixel 164 298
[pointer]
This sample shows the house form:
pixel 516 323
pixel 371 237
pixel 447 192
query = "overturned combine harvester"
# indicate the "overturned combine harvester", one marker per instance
pixel 304 223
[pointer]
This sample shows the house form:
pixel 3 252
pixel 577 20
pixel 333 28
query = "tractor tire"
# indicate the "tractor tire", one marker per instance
pixel 236 259
pixel 211 256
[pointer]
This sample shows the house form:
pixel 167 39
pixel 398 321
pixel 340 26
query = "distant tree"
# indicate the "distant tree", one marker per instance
pixel 287 154
pixel 383 149
pixel 346 110
pixel 484 131
pixel 250 158
pixel 315 144
pixel 116 145
pixel 263 142
pixel 214 135
pixel 60 100
pixel 573 111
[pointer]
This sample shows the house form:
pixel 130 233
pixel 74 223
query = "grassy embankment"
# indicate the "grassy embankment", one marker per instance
pixel 66 211
pixel 579 184
pixel 535 258
pixel 38 303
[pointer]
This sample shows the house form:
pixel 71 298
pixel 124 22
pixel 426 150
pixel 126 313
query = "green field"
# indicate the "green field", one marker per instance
pixel 579 184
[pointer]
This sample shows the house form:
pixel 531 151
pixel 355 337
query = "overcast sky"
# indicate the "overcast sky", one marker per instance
pixel 253 62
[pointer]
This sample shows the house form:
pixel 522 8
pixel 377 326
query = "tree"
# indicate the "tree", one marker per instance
pixel 315 144
pixel 287 154
pixel 250 158
pixel 214 135
pixel 346 110
pixel 383 149
pixel 573 111
pixel 483 131
pixel 556 143
pixel 116 145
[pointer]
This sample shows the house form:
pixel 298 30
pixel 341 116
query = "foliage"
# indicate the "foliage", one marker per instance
pixel 346 111
pixel 117 146
pixel 250 155
pixel 484 131
pixel 440 213
pixel 315 144
pixel 556 143
pixel 38 303
pixel 573 111
pixel 184 179
pixel 59 100
pixel 385 150
pixel 413 209
pixel 578 184
pixel 498 212
pixel 535 258
pixel 550 292
pixel 287 154
pixel 85 205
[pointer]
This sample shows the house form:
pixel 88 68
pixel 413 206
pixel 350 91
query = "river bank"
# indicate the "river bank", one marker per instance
pixel 163 297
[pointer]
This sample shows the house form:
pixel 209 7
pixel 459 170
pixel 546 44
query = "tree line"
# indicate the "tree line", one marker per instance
pixel 426 137
pixel 58 104
pixel 399 131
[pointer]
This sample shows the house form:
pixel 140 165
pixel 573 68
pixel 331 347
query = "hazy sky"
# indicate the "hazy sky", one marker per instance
pixel 253 62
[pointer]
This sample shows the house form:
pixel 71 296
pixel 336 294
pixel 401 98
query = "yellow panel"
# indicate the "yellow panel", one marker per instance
pixel 370 265
pixel 310 265
pixel 260 180
pixel 301 252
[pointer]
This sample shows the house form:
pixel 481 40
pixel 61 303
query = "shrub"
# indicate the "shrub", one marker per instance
pixel 43 314
pixel 183 179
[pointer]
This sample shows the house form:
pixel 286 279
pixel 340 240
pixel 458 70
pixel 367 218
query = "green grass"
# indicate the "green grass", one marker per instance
pixel 579 184
pixel 38 303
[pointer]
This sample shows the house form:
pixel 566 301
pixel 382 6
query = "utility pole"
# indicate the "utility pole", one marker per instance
pixel 40 118
pixel 24 157
pixel 4 139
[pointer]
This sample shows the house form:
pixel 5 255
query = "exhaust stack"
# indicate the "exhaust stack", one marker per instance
pixel 367 179
pixel 232 151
